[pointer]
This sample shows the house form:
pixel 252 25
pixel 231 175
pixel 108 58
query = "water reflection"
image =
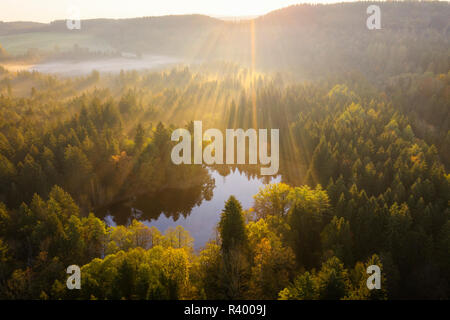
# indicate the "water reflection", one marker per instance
pixel 170 202
pixel 196 208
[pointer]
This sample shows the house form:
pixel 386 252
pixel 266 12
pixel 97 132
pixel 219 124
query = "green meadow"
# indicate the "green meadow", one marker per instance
pixel 49 41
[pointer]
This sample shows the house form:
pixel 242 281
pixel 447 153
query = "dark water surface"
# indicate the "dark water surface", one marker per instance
pixel 173 207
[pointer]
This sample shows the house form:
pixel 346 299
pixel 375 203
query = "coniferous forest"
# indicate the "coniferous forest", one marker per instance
pixel 364 123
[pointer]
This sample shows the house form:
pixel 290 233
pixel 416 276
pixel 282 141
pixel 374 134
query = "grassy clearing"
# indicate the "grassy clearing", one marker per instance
pixel 48 41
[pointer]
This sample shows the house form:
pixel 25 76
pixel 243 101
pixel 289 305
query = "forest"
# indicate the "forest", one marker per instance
pixel 364 165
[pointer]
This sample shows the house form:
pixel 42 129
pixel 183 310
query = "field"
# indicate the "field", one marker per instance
pixel 19 44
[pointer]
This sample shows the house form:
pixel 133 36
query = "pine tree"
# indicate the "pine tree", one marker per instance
pixel 232 226
pixel 139 138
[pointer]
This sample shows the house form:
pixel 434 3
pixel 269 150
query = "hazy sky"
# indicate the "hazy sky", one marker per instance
pixel 48 10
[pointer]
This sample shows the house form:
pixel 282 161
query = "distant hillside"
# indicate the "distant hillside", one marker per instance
pixel 306 39
pixel 19 27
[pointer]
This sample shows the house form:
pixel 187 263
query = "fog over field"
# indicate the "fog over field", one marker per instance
pixel 111 65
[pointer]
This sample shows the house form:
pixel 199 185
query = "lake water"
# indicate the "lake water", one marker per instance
pixel 171 208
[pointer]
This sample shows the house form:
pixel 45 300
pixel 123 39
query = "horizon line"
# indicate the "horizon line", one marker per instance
pixel 219 16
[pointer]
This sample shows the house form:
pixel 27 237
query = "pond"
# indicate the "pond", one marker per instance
pixel 170 208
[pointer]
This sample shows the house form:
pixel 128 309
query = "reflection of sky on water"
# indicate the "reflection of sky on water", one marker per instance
pixel 203 218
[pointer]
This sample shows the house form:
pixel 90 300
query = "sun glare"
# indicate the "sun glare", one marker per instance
pixel 49 10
